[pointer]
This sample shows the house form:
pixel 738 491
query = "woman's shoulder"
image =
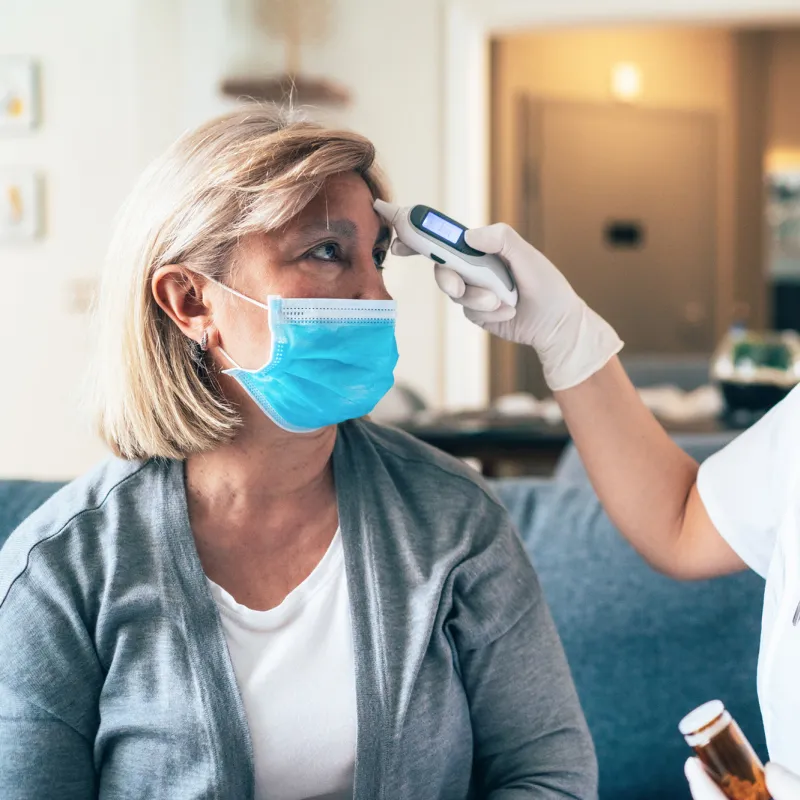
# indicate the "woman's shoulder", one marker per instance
pixel 55 572
pixel 74 524
pixel 417 458
pixel 443 518
pixel 395 468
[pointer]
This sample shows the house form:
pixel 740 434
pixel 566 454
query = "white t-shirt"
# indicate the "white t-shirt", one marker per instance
pixel 295 668
pixel 751 491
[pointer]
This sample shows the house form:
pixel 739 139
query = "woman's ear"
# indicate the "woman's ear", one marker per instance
pixel 181 295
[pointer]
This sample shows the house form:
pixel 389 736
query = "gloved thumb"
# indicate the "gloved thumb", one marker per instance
pixel 500 239
pixel 782 784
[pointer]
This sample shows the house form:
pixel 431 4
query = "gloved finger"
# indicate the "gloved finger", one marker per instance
pixel 481 318
pixel 479 299
pixel 782 784
pixel 401 249
pixel 500 239
pixel 450 282
pixel 701 784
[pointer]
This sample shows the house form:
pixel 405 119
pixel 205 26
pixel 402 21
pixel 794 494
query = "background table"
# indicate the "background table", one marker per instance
pixel 508 446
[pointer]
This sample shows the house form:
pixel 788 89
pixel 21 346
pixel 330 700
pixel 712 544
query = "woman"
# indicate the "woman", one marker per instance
pixel 739 510
pixel 263 595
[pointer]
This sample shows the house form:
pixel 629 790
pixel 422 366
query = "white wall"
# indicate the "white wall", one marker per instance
pixel 88 151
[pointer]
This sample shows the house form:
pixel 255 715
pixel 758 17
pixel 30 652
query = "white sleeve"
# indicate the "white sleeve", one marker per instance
pixel 747 487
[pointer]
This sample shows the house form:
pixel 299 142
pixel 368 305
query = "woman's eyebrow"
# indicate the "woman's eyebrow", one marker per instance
pixel 345 228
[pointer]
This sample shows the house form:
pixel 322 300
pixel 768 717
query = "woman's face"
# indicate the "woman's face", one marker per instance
pixel 335 248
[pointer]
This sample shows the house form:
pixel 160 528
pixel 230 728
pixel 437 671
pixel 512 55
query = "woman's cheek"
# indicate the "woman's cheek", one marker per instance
pixel 312 281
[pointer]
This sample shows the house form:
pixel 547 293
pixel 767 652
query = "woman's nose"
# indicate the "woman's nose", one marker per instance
pixel 379 292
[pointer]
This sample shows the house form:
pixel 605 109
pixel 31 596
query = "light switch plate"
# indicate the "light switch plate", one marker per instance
pixel 20 205
pixel 19 94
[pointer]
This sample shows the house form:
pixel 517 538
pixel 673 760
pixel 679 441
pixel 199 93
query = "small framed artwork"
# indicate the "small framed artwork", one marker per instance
pixel 19 94
pixel 20 205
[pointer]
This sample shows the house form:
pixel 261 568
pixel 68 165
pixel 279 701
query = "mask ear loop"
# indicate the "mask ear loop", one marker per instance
pixel 242 297
pixel 239 294
pixel 231 290
pixel 204 339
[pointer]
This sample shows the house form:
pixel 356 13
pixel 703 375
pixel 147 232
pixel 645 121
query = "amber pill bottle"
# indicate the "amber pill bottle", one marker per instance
pixel 727 755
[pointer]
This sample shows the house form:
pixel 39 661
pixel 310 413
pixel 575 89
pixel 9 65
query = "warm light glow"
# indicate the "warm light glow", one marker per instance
pixel 626 81
pixel 778 159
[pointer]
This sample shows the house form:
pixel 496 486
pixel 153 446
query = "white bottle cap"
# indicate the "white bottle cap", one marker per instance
pixel 700 726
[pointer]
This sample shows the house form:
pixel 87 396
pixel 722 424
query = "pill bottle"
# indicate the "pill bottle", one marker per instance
pixel 729 758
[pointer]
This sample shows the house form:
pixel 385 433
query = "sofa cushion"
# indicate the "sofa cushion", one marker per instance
pixel 18 500
pixel 643 649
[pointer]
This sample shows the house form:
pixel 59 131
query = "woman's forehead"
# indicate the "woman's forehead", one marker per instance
pixel 344 207
pixel 347 191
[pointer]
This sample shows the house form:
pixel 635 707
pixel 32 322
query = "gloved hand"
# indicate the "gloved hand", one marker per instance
pixel 571 340
pixel 782 784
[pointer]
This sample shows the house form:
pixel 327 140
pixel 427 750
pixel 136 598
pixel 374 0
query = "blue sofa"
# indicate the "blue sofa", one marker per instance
pixel 643 649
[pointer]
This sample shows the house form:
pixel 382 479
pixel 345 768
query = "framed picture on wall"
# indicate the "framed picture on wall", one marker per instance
pixel 20 205
pixel 19 94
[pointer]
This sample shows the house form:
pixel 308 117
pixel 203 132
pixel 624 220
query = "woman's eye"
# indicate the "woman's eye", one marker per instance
pixel 379 256
pixel 326 252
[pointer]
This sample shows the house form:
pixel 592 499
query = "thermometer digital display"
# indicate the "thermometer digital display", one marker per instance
pixel 442 228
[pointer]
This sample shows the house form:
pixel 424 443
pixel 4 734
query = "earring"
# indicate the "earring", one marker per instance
pixel 204 341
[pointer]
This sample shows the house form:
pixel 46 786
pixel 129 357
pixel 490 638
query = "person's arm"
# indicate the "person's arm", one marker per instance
pixel 41 755
pixel 49 676
pixel 646 483
pixel 684 528
pixel 530 735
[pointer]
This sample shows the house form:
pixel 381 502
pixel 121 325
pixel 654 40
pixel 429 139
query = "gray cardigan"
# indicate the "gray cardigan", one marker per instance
pixel 115 680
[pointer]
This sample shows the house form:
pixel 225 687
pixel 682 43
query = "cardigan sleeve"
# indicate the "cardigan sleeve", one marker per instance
pixel 530 735
pixel 49 678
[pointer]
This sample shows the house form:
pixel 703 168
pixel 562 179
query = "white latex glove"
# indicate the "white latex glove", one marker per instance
pixel 782 784
pixel 571 340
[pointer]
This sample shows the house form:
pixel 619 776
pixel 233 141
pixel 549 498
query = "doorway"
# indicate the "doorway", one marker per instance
pixel 623 200
pixel 649 193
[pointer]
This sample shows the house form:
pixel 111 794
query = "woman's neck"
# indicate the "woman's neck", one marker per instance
pixel 263 467
pixel 263 510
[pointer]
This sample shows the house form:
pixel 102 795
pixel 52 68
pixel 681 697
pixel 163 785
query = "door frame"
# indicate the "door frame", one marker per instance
pixel 468 28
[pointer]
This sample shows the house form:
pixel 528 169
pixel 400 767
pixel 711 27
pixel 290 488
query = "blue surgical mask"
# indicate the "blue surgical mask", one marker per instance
pixel 331 360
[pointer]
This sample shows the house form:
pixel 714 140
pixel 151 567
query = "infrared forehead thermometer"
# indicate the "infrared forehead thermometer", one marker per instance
pixel 433 234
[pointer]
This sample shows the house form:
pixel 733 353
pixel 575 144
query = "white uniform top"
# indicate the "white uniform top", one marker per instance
pixel 295 669
pixel 751 491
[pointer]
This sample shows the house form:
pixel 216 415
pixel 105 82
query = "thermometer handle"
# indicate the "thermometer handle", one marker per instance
pixel 484 270
pixel 492 274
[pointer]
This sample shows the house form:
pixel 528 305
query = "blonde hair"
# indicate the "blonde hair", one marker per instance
pixel 250 170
